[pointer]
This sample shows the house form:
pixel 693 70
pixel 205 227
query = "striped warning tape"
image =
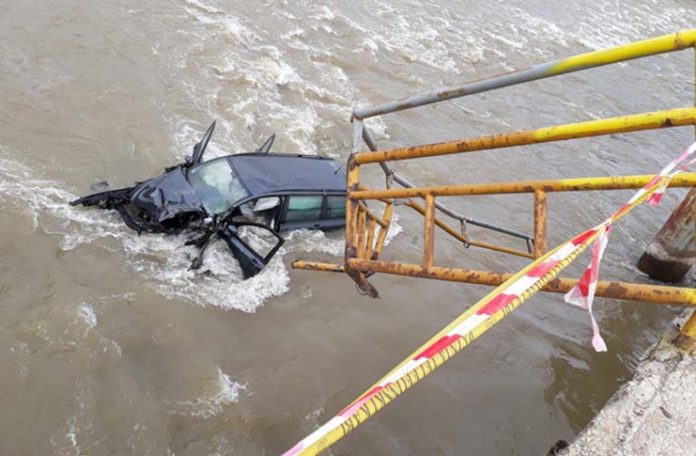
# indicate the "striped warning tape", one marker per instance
pixel 483 315
pixel 583 293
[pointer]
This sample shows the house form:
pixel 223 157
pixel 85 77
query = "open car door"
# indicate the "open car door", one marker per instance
pixel 252 244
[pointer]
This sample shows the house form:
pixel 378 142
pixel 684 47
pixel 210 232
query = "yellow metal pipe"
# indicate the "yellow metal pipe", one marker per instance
pixel 429 232
pixel 645 121
pixel 384 229
pixel 614 290
pixel 369 247
pixel 556 185
pixel 651 46
pixel 352 182
pixel 362 235
pixel 317 266
pixel 374 217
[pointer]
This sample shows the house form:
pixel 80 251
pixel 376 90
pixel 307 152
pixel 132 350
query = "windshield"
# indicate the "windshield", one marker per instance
pixel 217 185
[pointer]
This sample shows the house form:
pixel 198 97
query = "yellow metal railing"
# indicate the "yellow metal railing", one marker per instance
pixel 366 230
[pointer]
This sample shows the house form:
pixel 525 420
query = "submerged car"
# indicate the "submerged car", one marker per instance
pixel 227 196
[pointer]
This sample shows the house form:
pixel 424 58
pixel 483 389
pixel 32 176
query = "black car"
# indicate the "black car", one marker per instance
pixel 223 197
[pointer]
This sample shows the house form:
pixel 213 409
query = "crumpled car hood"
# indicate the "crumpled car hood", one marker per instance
pixel 166 196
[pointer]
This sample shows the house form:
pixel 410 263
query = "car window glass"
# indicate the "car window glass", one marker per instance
pixel 261 210
pixel 217 185
pixel 302 208
pixel 336 206
pixel 264 204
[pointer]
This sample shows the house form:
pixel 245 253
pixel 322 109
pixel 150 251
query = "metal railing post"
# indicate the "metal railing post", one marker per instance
pixel 429 232
pixel 540 223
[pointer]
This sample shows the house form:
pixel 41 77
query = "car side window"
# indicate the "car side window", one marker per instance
pixel 336 206
pixel 303 208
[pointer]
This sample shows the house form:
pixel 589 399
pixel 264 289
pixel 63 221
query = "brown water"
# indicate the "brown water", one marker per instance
pixel 109 345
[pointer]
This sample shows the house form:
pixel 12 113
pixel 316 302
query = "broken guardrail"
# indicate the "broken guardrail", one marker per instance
pixel 366 229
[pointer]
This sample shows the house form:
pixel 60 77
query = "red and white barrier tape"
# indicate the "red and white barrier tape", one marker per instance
pixel 583 293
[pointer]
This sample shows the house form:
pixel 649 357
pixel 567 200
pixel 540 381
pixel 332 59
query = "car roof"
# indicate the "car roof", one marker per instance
pixel 280 173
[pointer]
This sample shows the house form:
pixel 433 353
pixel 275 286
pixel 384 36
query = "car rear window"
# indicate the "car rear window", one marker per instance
pixel 336 206
pixel 303 208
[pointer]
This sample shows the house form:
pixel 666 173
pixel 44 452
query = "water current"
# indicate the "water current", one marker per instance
pixel 109 344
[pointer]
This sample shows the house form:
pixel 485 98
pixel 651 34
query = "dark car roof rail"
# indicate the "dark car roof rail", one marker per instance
pixel 274 154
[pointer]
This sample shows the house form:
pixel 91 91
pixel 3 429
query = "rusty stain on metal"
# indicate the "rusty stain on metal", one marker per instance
pixel 429 232
pixel 540 223
pixel 383 231
pixel 369 248
pixel 362 220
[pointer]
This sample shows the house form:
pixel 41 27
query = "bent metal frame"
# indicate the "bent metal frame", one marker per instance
pixel 366 231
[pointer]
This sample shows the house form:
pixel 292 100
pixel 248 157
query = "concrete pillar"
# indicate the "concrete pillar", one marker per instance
pixel 673 251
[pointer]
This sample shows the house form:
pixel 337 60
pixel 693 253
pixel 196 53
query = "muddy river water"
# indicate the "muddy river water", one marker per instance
pixel 109 344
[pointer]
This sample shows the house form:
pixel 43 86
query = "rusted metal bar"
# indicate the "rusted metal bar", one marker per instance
pixel 369 247
pixel 464 239
pixel 351 249
pixel 375 217
pixel 429 232
pixel 384 230
pixel 559 185
pixel 540 223
pixel 362 220
pixel 607 289
pixel 317 266
pixel 352 179
pixel 662 44
pixel 636 122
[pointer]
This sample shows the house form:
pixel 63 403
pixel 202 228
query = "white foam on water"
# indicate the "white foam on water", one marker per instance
pixel 258 70
pixel 87 314
pixel 613 25
pixel 224 391
pixel 414 38
pixel 257 85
